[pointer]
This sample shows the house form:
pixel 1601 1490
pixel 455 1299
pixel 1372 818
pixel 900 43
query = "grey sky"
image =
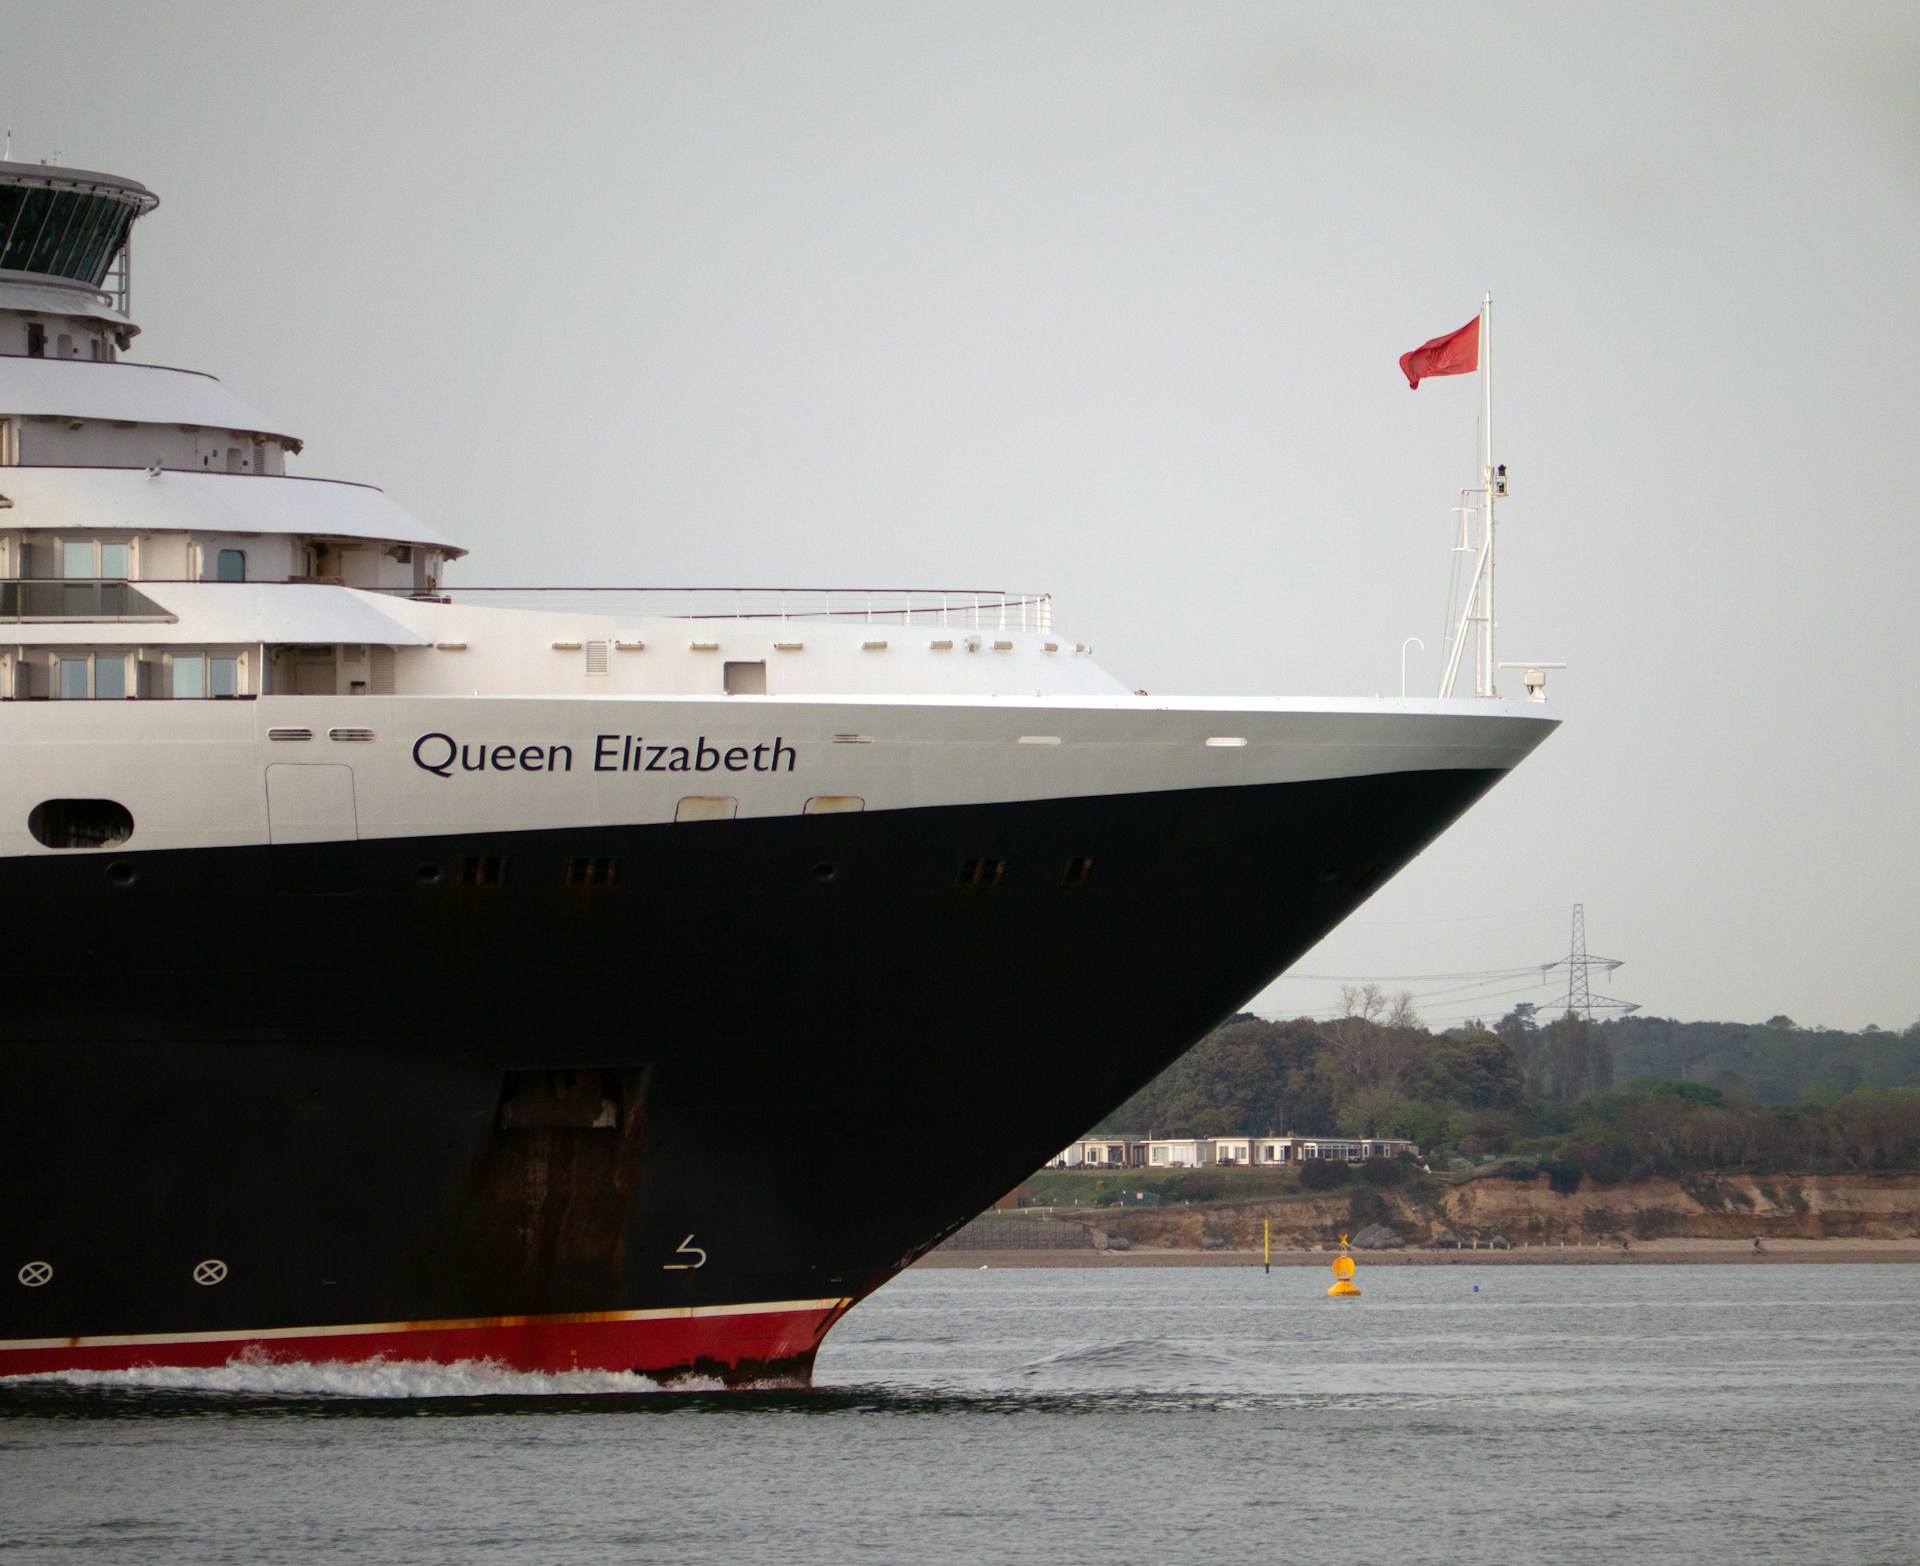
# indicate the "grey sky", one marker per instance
pixel 1105 299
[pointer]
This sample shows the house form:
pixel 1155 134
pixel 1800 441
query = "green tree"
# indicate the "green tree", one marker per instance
pixel 1524 1041
pixel 1477 1070
pixel 1579 1059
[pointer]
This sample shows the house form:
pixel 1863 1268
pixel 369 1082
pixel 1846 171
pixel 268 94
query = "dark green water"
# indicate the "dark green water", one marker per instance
pixel 1707 1414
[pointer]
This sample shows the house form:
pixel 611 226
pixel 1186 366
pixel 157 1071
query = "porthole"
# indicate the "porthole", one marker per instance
pixel 80 823
pixel 427 875
pixel 122 873
pixel 825 872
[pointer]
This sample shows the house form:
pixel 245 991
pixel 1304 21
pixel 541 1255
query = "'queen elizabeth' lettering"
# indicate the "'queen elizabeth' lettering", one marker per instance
pixel 443 755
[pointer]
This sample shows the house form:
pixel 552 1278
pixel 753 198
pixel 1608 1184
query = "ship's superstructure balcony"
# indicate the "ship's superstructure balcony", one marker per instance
pixel 154 547
pixel 99 415
pixel 312 638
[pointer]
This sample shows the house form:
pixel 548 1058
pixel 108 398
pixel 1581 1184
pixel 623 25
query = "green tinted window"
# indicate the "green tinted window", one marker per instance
pixel 64 233
pixel 12 197
pixel 25 229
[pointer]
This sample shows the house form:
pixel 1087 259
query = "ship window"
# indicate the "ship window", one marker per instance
pixel 981 872
pixel 746 679
pixel 230 565
pixel 1077 873
pixel 36 340
pixel 73 679
pixel 80 823
pixel 592 872
pixel 189 676
pixel 109 678
pixel 223 677
pixel 76 558
pixel 477 870
pixel 114 561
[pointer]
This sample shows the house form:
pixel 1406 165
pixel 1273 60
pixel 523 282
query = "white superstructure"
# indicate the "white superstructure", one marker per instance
pixel 186 608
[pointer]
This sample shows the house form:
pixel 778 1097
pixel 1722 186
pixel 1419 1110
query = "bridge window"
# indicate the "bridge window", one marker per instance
pixel 230 565
pixel 69 233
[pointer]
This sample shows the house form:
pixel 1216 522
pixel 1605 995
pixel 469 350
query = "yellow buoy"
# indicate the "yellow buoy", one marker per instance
pixel 1343 1275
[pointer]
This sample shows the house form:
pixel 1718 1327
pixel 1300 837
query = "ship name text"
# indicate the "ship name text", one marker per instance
pixel 443 755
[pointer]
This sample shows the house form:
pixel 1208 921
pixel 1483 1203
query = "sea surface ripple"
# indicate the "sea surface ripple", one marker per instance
pixel 1566 1414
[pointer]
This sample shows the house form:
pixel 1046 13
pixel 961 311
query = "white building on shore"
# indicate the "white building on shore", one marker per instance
pixel 1202 1152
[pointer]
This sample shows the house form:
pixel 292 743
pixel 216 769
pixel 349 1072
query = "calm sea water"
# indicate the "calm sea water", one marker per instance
pixel 1568 1414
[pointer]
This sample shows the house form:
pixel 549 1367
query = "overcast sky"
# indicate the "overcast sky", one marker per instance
pixel 1104 299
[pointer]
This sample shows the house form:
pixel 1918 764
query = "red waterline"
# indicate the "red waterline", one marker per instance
pixel 735 1343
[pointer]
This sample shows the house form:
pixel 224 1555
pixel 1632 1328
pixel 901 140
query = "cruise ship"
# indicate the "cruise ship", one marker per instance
pixel 608 979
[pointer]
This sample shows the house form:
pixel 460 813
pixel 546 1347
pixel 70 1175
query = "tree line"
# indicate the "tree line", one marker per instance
pixel 1570 1095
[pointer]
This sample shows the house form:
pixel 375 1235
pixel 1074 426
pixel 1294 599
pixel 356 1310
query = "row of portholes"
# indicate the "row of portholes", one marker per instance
pixel 103 823
pixel 38 1274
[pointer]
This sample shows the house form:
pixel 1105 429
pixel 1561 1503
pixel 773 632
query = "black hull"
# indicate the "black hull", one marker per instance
pixel 332 1066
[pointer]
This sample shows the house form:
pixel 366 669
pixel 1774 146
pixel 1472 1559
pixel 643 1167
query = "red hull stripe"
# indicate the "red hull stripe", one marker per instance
pixel 720 1338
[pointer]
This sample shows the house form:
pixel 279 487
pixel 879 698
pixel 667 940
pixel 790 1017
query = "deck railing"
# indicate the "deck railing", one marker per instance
pixel 973 609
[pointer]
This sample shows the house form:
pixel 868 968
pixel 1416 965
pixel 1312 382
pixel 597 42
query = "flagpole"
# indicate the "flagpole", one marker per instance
pixel 1486 478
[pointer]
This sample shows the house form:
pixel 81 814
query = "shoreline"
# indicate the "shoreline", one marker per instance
pixel 1641 1252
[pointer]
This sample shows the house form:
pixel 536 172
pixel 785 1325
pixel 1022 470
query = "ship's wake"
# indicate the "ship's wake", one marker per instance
pixel 254 1377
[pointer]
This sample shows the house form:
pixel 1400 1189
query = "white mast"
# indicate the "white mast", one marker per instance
pixel 1483 686
pixel 1476 615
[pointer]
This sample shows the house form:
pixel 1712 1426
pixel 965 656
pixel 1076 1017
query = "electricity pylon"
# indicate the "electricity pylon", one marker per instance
pixel 1580 997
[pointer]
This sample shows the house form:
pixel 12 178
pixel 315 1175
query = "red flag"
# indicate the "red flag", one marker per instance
pixel 1458 353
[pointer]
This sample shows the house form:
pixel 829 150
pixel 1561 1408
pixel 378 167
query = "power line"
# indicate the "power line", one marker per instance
pixel 1416 978
pixel 1474 986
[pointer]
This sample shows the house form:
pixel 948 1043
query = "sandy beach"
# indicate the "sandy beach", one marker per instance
pixel 1639 1252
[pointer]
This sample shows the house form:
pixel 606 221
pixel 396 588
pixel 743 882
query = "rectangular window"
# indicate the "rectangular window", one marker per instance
pixel 745 679
pixel 109 677
pixel 114 561
pixel 230 565
pixel 76 559
pixel 1077 873
pixel 223 677
pixel 981 872
pixel 592 872
pixel 189 676
pixel 73 679
pixel 482 870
